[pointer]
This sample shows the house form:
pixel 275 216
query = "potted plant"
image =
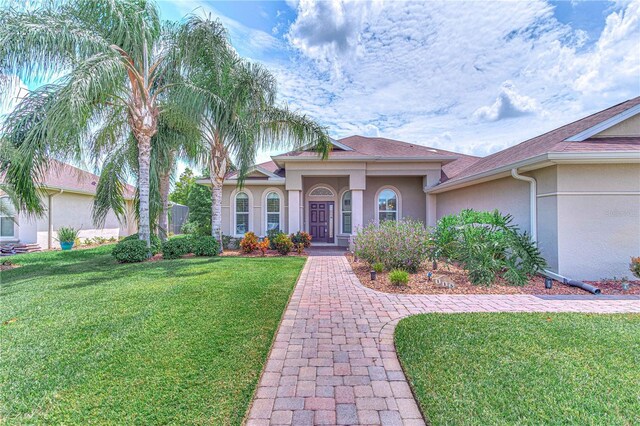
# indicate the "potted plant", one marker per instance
pixel 67 237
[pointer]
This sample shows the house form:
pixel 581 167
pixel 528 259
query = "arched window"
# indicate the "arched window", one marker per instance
pixel 387 205
pixel 242 213
pixel 321 191
pixel 345 204
pixel 7 218
pixel 273 211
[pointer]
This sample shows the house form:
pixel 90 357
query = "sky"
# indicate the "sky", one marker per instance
pixel 473 77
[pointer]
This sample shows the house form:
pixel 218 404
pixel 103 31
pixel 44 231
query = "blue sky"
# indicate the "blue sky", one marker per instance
pixel 473 77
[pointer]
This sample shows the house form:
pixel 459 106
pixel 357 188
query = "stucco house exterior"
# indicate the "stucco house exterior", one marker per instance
pixel 68 201
pixel 575 189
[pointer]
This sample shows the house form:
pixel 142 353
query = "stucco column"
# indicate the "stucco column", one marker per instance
pixel 431 218
pixel 357 205
pixel 294 211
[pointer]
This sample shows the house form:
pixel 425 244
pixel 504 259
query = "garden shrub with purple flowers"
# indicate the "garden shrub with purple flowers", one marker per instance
pixel 397 245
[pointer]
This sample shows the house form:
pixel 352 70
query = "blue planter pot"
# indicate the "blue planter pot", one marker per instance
pixel 66 245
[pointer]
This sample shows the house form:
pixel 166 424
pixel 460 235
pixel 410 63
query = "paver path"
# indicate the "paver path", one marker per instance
pixel 334 362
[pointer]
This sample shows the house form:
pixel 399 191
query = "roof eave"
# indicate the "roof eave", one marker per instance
pixel 280 160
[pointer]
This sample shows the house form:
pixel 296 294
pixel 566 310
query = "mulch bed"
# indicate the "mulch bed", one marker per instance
pixel 453 280
pixel 269 253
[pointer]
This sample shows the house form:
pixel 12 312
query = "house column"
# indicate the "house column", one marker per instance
pixel 294 211
pixel 357 216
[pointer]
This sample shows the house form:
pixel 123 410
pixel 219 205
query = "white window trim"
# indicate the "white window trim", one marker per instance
pixel 342 192
pixel 321 197
pixel 15 222
pixel 233 210
pixel 264 208
pixel 377 205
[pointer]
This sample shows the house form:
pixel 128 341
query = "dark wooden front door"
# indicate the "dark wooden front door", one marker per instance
pixel 321 221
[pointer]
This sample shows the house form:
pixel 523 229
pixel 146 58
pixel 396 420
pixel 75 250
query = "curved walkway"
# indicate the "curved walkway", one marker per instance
pixel 333 360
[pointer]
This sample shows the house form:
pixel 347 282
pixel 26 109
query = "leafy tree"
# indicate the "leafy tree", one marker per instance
pixel 183 187
pixel 123 72
pixel 199 203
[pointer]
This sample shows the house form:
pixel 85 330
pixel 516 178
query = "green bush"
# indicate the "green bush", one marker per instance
pixel 273 234
pixel 206 246
pixel 397 245
pixel 399 277
pixel 176 247
pixel 130 251
pixel 487 246
pixel 301 237
pixel 156 244
pixel 378 267
pixel 283 244
pixel 67 235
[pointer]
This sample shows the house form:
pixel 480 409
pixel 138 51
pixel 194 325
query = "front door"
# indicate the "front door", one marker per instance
pixel 321 221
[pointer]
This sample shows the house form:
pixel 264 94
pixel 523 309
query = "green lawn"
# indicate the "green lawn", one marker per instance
pixel 533 369
pixel 86 340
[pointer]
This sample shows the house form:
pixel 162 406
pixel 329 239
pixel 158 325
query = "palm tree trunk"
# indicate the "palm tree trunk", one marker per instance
pixel 217 172
pixel 144 163
pixel 163 220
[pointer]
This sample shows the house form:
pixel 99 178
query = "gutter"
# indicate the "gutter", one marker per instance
pixel 533 203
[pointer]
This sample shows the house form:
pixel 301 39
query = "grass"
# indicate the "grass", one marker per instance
pixel 526 369
pixel 85 340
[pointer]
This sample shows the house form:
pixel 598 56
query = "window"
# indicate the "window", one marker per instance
pixel 387 205
pixel 321 191
pixel 273 211
pixel 7 213
pixel 242 213
pixel 346 212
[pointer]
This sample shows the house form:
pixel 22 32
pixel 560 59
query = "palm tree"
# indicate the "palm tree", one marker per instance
pixel 122 71
pixel 245 119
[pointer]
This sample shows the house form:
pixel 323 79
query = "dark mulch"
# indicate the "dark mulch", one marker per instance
pixel 451 279
pixel 269 253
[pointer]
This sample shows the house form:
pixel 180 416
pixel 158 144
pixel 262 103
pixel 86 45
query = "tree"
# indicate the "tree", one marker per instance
pixel 200 209
pixel 122 72
pixel 244 119
pixel 183 187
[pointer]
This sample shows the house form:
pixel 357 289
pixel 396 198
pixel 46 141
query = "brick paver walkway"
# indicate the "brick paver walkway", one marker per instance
pixel 334 362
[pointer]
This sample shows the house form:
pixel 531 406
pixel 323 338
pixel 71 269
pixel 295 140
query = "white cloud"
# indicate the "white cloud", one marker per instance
pixel 508 104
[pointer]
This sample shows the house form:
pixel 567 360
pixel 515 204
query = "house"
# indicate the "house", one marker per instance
pixel 68 200
pixel 575 189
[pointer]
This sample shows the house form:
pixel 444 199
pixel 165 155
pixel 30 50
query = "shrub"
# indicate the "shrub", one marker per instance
pixel 487 246
pixel 67 234
pixel 264 245
pixel 399 277
pixel 156 244
pixel 189 227
pixel 397 245
pixel 378 267
pixel 283 244
pixel 272 234
pixel 229 242
pixel 205 246
pixel 634 266
pixel 130 251
pixel 301 237
pixel 299 247
pixel 249 243
pixel 176 247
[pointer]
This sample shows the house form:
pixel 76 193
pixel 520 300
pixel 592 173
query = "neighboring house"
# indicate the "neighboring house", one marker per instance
pixel 68 201
pixel 575 189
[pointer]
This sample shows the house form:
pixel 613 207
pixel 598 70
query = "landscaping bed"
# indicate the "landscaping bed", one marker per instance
pixel 269 253
pixel 454 280
pixel 522 368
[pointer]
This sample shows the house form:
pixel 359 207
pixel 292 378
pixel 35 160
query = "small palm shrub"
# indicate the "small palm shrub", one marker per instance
pixel 487 245
pixel 176 247
pixel 378 267
pixel 264 245
pixel 249 243
pixel 283 244
pixel 156 244
pixel 205 246
pixel 130 251
pixel 397 245
pixel 399 277
pixel 301 237
pixel 634 266
pixel 67 234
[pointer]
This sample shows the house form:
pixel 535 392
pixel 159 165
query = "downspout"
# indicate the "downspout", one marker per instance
pixel 533 203
pixel 50 221
pixel 533 214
